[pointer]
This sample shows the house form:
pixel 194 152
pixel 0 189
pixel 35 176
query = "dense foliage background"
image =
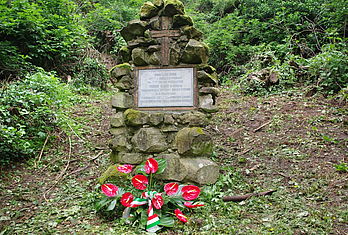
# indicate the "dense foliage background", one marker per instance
pixel 297 42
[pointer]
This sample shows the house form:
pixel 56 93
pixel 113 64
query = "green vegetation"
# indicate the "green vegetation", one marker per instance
pixel 54 85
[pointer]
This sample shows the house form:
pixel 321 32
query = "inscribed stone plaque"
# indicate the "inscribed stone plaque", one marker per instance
pixel 172 87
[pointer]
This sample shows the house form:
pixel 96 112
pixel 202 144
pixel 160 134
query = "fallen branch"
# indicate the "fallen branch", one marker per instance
pixel 240 198
pixel 60 176
pixel 246 151
pixel 97 156
pixel 78 170
pixel 263 125
pixel 41 152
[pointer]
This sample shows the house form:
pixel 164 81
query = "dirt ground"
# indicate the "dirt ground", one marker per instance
pixel 280 141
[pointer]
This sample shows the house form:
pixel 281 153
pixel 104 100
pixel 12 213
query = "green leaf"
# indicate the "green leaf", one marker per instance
pixel 167 222
pixel 162 164
pixel 140 169
pixel 101 204
pixel 112 205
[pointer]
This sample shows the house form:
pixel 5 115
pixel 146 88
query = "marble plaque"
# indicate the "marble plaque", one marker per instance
pixel 172 87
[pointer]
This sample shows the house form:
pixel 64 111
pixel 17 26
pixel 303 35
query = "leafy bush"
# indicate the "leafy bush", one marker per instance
pixel 28 111
pixel 91 72
pixel 45 33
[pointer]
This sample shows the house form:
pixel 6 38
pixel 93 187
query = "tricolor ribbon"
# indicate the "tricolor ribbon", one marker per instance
pixel 152 220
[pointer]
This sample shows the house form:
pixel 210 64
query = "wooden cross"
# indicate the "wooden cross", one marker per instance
pixel 165 34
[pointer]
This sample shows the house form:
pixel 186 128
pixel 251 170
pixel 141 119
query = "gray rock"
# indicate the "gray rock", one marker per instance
pixel 175 54
pixel 120 144
pixel 182 20
pixel 155 23
pixel 134 28
pixel 156 118
pixel 209 90
pixel 175 170
pixel 191 32
pixel 194 119
pixel 148 10
pixel 125 83
pixel 119 131
pixel 149 140
pixel 141 42
pixel 153 48
pixel 173 7
pixel 131 158
pixel 122 100
pixel 135 118
pixel 169 128
pixel 204 77
pixel 120 70
pixel 201 170
pixel 195 53
pixel 158 3
pixel 193 142
pixel 155 58
pixel 140 57
pixel 207 104
pixel 168 119
pixel 117 120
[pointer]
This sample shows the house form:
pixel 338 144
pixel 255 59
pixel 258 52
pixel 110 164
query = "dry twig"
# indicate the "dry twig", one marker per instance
pixel 263 125
pixel 240 198
pixel 41 152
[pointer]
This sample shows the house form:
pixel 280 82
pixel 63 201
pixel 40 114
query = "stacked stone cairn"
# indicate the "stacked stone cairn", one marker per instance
pixel 177 136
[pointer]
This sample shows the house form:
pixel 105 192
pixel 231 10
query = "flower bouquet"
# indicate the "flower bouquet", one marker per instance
pixel 150 208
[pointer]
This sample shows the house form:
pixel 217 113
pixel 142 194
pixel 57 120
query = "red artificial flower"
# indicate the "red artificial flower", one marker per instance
pixel 190 205
pixel 190 192
pixel 180 215
pixel 158 201
pixel 140 182
pixel 171 188
pixel 127 199
pixel 125 168
pixel 151 166
pixel 109 190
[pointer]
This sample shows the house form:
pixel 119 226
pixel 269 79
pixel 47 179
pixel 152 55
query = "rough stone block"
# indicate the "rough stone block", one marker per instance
pixel 140 57
pixel 191 32
pixel 195 52
pixel 134 28
pixel 168 119
pixel 156 118
pixel 182 20
pixel 122 100
pixel 135 118
pixel 194 119
pixel 119 131
pixel 204 77
pixel 149 140
pixel 120 70
pixel 148 10
pixel 206 103
pixel 201 170
pixel 193 142
pixel 209 90
pixel 130 158
pixel 173 7
pixel 175 170
pixel 120 144
pixel 124 83
pixel 117 120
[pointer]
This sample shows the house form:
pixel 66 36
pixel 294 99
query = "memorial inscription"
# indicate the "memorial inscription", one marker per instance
pixel 169 87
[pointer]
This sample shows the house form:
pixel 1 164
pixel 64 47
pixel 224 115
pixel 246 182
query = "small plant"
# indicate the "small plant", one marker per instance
pixel 151 209
pixel 342 167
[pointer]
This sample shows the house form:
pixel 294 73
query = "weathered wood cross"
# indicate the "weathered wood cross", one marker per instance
pixel 165 34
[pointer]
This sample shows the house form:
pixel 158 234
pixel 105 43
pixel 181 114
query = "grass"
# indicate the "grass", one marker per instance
pixel 299 154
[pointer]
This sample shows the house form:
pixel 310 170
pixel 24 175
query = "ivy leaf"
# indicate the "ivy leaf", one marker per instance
pixel 162 164
pixel 167 222
pixel 112 205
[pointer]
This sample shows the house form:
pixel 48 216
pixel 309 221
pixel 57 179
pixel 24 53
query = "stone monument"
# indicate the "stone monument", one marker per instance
pixel 166 94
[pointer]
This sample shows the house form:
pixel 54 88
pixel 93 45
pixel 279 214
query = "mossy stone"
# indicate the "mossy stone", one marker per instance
pixel 206 103
pixel 117 120
pixel 134 29
pixel 195 53
pixel 122 100
pixel 149 140
pixel 120 70
pixel 173 7
pixel 191 32
pixel 175 170
pixel 120 144
pixel 135 117
pixel 204 77
pixel 130 158
pixel 182 20
pixel 124 83
pixel 111 172
pixel 148 10
pixel 124 54
pixel 156 118
pixel 194 119
pixel 193 142
pixel 140 57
